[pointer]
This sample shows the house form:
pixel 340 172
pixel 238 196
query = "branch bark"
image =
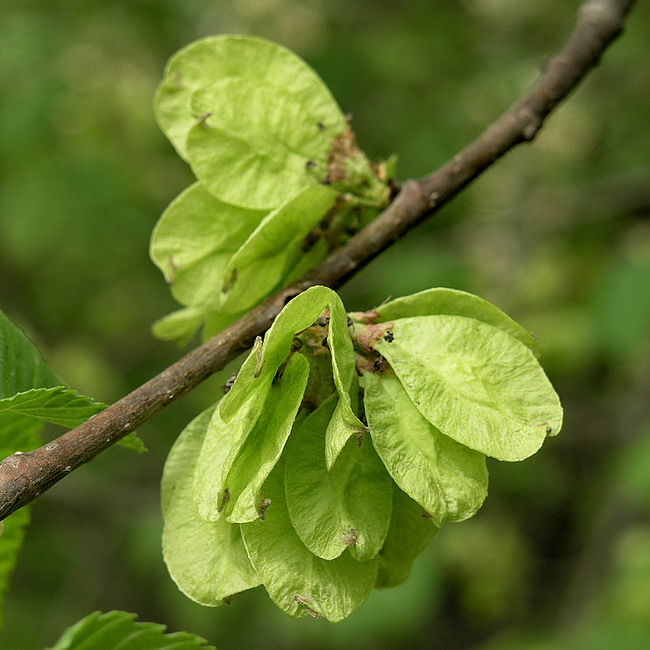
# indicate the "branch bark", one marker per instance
pixel 24 476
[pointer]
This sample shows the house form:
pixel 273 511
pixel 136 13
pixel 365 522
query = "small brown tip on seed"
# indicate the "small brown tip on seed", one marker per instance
pixel 350 538
pixel 202 119
pixel 264 504
pixel 229 384
pixel 223 500
pixel 303 600
pixel 309 241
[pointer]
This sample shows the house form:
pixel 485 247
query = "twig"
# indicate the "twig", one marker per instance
pixel 24 476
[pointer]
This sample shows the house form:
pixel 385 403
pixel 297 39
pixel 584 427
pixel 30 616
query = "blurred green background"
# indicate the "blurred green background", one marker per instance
pixel 557 234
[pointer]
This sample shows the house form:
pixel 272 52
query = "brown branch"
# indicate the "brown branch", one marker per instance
pixel 24 476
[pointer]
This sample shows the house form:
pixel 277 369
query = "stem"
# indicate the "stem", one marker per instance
pixel 24 476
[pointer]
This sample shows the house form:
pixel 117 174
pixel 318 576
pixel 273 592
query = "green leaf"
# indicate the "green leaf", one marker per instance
pixel 447 479
pixel 180 325
pixel 63 406
pixel 59 405
pixel 339 430
pixel 409 533
pixel 347 507
pixel 133 442
pixel 263 447
pixel 297 581
pixel 266 141
pixel 28 386
pixel 265 120
pixel 313 257
pixel 343 360
pixel 17 433
pixel 12 534
pixel 273 248
pixel 299 314
pixel 344 422
pixel 120 631
pixel 216 321
pixel 475 383
pixel 220 448
pixel 266 357
pixel 207 560
pixel 454 303
pixel 183 454
pixel 193 242
pixel 21 365
pixel 213 60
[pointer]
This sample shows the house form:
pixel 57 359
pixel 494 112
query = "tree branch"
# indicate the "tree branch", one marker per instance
pixel 24 476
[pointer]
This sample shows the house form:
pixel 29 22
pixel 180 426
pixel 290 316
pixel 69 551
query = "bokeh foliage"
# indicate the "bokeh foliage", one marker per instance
pixel 557 234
